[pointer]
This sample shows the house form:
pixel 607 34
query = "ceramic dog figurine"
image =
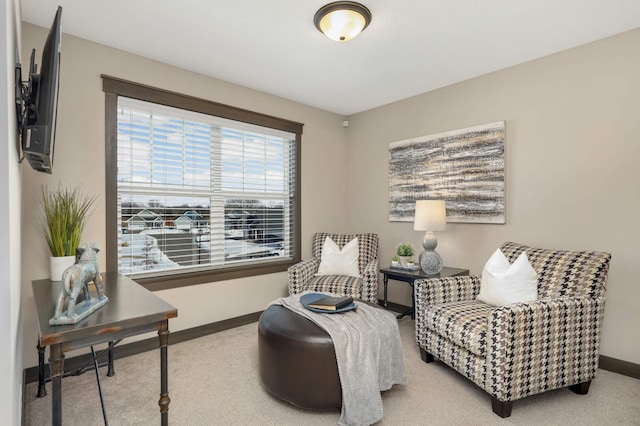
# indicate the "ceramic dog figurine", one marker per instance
pixel 77 277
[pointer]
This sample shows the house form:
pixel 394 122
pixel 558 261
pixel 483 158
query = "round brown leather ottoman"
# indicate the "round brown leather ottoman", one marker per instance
pixel 297 360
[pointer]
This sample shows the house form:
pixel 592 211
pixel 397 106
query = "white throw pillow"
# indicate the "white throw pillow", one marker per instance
pixel 334 261
pixel 503 284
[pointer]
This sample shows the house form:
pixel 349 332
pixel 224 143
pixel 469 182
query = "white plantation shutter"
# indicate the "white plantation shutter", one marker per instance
pixel 199 192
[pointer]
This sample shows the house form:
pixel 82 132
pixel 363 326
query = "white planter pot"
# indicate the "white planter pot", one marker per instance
pixel 404 260
pixel 57 266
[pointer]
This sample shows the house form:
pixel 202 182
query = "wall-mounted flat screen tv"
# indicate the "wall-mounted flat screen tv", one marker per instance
pixel 40 97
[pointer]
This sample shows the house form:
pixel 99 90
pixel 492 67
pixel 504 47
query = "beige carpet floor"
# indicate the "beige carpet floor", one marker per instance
pixel 214 380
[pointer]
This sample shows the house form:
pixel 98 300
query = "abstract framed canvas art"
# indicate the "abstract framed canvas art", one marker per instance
pixel 465 167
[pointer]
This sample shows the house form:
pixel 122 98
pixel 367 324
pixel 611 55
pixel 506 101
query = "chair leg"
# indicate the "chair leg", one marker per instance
pixel 581 388
pixel 501 408
pixel 426 356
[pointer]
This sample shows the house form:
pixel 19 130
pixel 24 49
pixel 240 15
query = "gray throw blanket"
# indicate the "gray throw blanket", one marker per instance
pixel 368 353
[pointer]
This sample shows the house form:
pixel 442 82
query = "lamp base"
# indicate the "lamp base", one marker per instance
pixel 430 262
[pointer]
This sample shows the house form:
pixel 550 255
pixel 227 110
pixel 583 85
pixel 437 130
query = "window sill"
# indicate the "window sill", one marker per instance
pixel 168 282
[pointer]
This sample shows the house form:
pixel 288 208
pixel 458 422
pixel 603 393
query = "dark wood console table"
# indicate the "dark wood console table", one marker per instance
pixel 131 310
pixel 410 277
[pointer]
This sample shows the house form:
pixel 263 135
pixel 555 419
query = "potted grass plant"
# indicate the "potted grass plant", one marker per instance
pixel 66 211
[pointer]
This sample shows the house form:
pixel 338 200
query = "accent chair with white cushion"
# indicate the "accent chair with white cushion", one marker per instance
pixel 336 272
pixel 524 348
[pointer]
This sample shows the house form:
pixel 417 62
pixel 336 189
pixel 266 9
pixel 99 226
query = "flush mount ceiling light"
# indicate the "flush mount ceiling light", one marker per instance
pixel 342 20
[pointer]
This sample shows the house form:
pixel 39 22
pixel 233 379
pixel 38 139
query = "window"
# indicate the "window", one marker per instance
pixel 197 191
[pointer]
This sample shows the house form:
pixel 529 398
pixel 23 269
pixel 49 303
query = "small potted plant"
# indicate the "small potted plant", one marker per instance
pixel 65 215
pixel 395 261
pixel 405 251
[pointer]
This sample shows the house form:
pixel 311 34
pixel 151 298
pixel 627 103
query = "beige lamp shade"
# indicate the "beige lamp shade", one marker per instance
pixel 430 215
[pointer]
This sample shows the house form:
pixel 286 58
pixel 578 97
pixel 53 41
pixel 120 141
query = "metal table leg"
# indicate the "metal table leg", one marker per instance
pixel 385 280
pixel 42 390
pixel 56 364
pixel 164 401
pixel 413 300
pixel 95 365
pixel 111 372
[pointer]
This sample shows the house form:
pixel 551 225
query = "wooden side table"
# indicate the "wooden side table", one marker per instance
pixel 410 277
pixel 131 310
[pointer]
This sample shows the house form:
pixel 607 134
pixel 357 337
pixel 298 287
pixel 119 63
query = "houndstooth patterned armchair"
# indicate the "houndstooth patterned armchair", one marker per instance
pixel 301 276
pixel 526 348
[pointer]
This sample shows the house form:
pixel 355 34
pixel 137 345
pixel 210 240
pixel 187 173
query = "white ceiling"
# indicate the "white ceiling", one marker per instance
pixel 410 47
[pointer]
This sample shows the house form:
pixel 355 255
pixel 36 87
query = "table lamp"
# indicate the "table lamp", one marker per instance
pixel 430 215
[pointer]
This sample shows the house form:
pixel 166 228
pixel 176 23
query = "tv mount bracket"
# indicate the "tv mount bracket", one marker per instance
pixel 26 93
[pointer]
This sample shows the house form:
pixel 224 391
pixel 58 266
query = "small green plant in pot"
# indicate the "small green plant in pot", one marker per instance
pixel 405 251
pixel 66 211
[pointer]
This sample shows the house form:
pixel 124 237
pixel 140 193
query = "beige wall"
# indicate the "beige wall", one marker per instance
pixel 572 175
pixel 80 159
pixel 10 184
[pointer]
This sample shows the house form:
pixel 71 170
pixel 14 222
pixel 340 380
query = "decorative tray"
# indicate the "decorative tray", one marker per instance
pixel 406 268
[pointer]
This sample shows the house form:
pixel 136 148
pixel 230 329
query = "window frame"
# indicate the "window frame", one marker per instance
pixel 113 88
